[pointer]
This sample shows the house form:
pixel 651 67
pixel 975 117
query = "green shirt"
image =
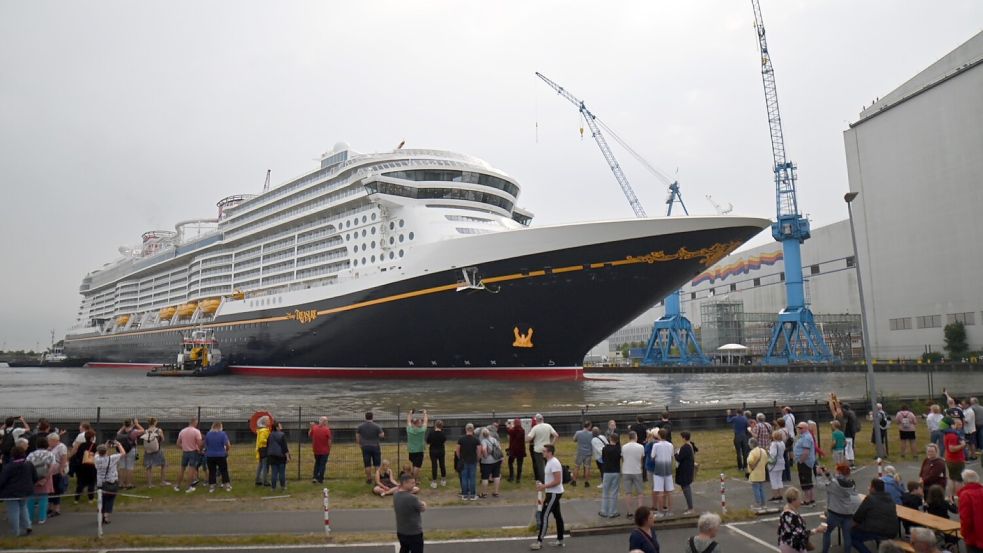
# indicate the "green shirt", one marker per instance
pixel 414 438
pixel 839 440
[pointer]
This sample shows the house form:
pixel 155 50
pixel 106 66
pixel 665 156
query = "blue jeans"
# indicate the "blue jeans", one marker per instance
pixel 468 474
pixel 834 521
pixel 279 471
pixel 38 501
pixel 759 493
pixel 320 463
pixel 611 482
pixel 262 472
pixel 17 516
pixel 858 537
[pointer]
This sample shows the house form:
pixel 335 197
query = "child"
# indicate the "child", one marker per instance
pixel 914 499
pixel 839 444
pixel 936 504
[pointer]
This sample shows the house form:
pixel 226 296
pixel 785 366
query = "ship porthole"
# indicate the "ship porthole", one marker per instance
pixel 401 253
pixel 411 235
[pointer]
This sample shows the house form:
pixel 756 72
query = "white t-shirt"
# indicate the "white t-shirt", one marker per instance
pixel 597 444
pixel 540 435
pixel 80 439
pixel 60 451
pixel 632 453
pixel 789 423
pixel 552 468
pixel 662 454
pixel 969 421
pixel 932 420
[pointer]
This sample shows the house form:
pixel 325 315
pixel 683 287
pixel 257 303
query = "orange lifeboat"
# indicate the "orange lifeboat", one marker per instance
pixel 210 306
pixel 167 313
pixel 122 320
pixel 187 309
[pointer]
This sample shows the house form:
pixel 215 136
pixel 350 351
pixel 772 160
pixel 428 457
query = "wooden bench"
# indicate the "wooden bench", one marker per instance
pixel 930 521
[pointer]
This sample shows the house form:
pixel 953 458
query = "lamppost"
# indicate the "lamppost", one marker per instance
pixel 865 329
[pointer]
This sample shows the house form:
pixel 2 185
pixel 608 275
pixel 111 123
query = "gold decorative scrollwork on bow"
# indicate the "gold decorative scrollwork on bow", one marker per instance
pixel 708 256
pixel 303 317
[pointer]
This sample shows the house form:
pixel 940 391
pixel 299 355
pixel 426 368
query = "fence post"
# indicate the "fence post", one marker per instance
pixel 99 513
pixel 399 438
pixel 723 495
pixel 199 415
pixel 300 430
pixel 98 436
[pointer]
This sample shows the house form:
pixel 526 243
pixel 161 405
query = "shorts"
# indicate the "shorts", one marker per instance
pixel 491 470
pixel 155 459
pixel 416 459
pixel 662 483
pixel 371 456
pixel 632 483
pixel 128 461
pixel 907 435
pixel 189 459
pixel 805 476
pixel 955 469
pixel 583 459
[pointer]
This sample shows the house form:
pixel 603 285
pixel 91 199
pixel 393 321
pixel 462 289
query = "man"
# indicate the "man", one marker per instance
pixel 969 428
pixel 665 424
pixel 367 437
pixel 416 430
pixel 739 423
pixel 539 436
pixel 662 486
pixel 632 456
pixel 761 431
pixel 610 477
pixel 804 453
pixel 923 540
pixel 955 455
pixel 789 420
pixel 881 423
pixel 553 486
pixel 971 511
pixel 597 443
pixel 409 523
pixel 612 428
pixel 320 435
pixel 583 439
pixel 851 427
pixel 974 404
pixel 190 442
pixel 467 452
pixel 875 519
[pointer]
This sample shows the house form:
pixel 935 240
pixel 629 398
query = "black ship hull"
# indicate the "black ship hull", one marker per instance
pixel 536 317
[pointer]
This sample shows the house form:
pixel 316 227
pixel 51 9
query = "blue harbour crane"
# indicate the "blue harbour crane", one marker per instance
pixel 672 341
pixel 795 338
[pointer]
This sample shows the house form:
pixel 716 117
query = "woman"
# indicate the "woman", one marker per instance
pixel 893 484
pixel 217 455
pixel 17 481
pixel 786 437
pixel 936 504
pixel 932 472
pixel 686 469
pixel 489 457
pixel 107 476
pixel 932 420
pixel 776 463
pixel 793 536
pixel 517 450
pixel 757 466
pixel 262 440
pixel 706 540
pixel 59 480
pixel 435 447
pixel 842 501
pixel 45 467
pixel 277 456
pixel 384 483
pixel 153 452
pixel 642 537
pixel 83 455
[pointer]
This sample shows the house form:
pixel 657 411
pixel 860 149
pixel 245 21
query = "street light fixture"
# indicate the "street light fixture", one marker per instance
pixel 848 198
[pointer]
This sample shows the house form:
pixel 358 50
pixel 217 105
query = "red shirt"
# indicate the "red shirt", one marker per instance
pixel 951 438
pixel 321 439
pixel 971 514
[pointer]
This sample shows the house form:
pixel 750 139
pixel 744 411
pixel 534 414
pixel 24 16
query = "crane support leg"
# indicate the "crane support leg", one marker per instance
pixel 672 341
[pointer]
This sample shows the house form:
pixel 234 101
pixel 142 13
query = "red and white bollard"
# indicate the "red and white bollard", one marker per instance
pixel 99 513
pixel 880 467
pixel 327 514
pixel 723 495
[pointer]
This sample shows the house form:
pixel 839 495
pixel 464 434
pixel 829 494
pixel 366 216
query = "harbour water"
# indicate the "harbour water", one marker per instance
pixel 87 388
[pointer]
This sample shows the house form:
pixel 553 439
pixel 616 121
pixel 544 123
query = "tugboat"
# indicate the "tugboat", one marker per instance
pixel 199 356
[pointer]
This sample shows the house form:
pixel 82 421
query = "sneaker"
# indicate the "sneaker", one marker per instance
pixel 464 497
pixel 195 482
pixel 666 514
pixel 177 489
pixel 557 543
pixel 191 489
pixel 586 483
pixel 165 483
pixel 600 486
pixel 443 483
pixel 473 498
pixel 536 545
pixel 433 484
pixel 228 487
pixel 211 489
pixel 688 512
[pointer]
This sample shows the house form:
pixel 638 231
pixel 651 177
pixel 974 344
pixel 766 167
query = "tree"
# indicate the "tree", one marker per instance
pixel 955 340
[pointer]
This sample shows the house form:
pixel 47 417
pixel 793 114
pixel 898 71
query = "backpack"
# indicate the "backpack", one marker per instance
pixel 649 461
pixel 495 449
pixel 709 549
pixel 124 440
pixel 151 441
pixel 567 477
pixel 43 468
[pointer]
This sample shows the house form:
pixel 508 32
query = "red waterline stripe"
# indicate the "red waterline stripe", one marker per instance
pixel 504 373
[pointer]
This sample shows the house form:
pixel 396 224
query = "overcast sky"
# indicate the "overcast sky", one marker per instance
pixel 121 117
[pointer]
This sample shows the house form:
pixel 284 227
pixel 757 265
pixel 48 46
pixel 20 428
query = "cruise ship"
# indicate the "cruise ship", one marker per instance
pixel 409 263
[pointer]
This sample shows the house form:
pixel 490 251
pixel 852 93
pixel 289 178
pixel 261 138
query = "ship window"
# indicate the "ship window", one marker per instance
pixel 392 225
pixel 363 261
pixel 348 224
pixel 411 235
pixel 400 237
pixel 355 263
pixel 373 216
pixel 401 223
pixel 392 240
pixel 401 253
pixel 373 230
pixel 391 255
pixel 373 244
pixel 373 259
pixel 364 218
pixel 363 233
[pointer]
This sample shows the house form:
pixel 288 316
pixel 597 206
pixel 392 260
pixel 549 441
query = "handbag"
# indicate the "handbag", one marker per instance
pixel 109 487
pixel 88 456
